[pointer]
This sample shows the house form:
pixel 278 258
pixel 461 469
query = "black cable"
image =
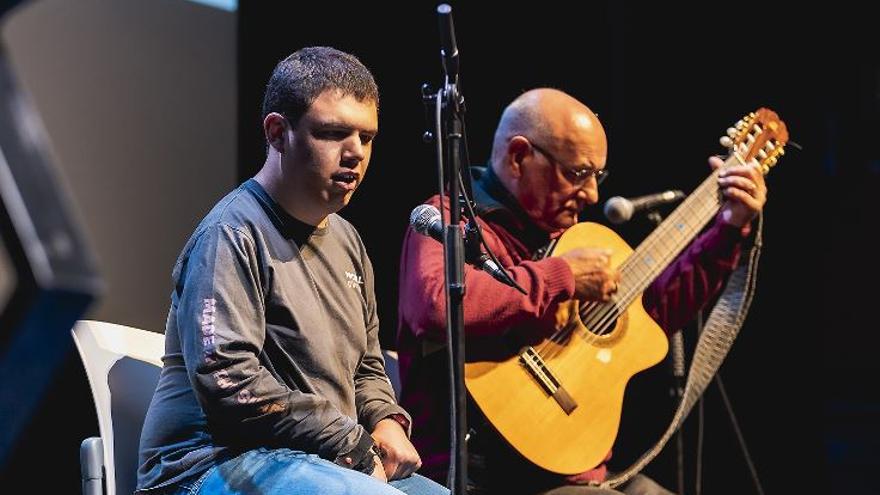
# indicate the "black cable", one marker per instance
pixel 469 206
pixel 479 233
pixel 679 461
pixel 739 435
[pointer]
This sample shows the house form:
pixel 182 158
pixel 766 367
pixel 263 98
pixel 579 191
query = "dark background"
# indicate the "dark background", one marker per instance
pixel 666 82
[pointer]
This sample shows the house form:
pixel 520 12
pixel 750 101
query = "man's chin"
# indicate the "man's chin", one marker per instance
pixel 340 201
pixel 565 220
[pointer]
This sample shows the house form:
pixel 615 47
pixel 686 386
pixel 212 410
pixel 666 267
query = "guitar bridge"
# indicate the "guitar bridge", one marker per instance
pixel 534 363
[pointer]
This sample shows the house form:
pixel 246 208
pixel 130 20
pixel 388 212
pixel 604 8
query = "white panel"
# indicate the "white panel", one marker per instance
pixel 139 99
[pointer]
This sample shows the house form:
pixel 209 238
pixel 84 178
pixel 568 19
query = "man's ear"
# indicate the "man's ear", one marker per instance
pixel 274 126
pixel 517 149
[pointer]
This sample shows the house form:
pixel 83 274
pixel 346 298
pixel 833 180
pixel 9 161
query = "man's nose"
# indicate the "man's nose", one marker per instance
pixel 588 192
pixel 354 151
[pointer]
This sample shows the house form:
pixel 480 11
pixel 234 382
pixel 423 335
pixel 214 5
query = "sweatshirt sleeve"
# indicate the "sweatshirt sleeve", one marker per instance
pixel 490 308
pixel 374 396
pixel 222 327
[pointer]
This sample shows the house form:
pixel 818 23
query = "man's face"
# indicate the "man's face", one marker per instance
pixel 332 143
pixel 559 179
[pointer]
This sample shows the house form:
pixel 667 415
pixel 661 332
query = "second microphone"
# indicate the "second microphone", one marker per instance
pixel 619 209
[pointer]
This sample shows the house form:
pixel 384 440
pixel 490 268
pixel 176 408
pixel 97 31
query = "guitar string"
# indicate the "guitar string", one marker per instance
pixel 704 208
pixel 599 323
pixel 602 320
pixel 585 311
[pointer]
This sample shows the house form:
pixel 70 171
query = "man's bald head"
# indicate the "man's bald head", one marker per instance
pixel 544 138
pixel 544 115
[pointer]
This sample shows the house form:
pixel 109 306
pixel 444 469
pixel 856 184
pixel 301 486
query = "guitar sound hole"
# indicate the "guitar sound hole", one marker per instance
pixel 599 319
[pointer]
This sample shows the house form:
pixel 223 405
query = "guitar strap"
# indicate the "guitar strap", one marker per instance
pixel 714 342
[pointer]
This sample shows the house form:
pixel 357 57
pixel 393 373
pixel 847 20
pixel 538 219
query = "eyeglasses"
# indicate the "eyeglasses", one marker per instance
pixel 577 176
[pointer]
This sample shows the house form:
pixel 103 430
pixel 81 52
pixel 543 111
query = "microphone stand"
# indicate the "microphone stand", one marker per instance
pixel 676 389
pixel 455 290
pixel 734 423
pixel 451 142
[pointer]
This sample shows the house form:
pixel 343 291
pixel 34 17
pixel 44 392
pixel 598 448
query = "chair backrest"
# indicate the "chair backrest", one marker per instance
pixel 123 365
pixel 392 369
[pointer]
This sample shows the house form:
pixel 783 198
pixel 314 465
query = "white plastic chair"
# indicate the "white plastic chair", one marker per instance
pixel 123 365
pixel 392 369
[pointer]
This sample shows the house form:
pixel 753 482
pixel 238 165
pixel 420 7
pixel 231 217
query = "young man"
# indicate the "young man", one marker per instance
pixel 273 379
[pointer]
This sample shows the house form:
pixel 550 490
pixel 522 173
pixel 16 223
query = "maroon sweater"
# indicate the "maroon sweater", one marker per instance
pixel 492 309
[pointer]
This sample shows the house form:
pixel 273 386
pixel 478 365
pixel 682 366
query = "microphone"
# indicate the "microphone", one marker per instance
pixel 426 220
pixel 619 209
pixel 448 48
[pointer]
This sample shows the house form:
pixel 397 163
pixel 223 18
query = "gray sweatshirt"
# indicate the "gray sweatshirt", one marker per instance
pixel 271 341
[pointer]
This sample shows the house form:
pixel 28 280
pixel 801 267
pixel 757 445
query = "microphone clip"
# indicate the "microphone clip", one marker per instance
pixel 654 216
pixel 472 250
pixel 475 256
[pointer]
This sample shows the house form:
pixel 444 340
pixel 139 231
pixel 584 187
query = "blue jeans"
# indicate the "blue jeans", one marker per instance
pixel 291 472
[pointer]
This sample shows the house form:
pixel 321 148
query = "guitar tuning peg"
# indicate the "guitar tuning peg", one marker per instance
pixel 726 142
pixel 731 132
pixel 762 155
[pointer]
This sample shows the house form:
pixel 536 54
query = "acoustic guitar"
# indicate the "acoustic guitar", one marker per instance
pixel 558 402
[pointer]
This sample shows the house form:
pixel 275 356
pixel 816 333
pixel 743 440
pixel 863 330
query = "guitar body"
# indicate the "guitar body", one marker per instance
pixel 592 369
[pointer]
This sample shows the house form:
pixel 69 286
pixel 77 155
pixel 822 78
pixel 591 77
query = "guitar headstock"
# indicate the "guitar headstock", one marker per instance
pixel 760 135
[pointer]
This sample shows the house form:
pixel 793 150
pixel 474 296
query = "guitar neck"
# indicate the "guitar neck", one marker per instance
pixel 661 247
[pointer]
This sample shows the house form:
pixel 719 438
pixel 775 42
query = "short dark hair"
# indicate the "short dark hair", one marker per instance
pixel 299 79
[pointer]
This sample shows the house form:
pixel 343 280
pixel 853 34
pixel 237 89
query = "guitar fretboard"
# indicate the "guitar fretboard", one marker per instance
pixel 658 250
